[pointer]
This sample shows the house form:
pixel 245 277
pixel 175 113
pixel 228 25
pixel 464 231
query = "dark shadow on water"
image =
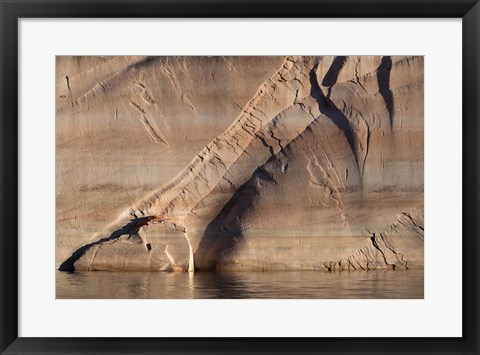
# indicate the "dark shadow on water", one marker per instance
pixel 144 285
pixel 377 284
pixel 221 286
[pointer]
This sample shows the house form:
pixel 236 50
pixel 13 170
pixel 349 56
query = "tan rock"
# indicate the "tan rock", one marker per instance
pixel 257 163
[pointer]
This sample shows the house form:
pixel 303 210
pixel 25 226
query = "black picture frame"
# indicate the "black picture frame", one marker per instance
pixel 11 11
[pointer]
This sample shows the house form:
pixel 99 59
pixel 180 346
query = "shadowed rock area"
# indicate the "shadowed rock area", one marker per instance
pixel 239 163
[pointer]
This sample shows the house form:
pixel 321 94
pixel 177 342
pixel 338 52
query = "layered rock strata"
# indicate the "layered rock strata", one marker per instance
pixel 239 163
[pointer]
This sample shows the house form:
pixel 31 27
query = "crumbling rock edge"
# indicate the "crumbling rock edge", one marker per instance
pixel 261 133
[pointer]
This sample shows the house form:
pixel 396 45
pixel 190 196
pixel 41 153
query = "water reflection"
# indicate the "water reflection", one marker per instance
pixel 232 285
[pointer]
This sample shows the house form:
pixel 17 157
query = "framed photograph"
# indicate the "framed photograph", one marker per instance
pixel 231 177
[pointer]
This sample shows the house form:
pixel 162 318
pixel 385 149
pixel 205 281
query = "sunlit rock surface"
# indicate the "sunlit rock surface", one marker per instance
pixel 243 163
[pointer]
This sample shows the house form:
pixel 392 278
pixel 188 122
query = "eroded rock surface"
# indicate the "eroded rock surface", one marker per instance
pixel 243 163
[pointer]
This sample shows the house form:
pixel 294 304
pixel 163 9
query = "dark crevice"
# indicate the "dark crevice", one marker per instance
pixel 68 83
pixel 331 76
pixel 413 221
pixel 329 109
pixel 360 265
pixel 265 144
pixel 390 247
pixel 383 79
pixel 376 246
pixel 366 150
pixel 328 266
pixel 351 264
pixel 367 259
pixel 130 228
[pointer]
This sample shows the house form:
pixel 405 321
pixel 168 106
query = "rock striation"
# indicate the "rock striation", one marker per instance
pixel 239 163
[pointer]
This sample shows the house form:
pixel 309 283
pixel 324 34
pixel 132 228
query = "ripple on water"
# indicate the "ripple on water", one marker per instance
pixel 233 285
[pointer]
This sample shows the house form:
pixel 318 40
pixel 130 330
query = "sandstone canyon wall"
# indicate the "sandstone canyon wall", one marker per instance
pixel 239 163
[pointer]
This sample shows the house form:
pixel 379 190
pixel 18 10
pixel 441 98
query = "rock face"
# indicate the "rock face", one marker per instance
pixel 239 163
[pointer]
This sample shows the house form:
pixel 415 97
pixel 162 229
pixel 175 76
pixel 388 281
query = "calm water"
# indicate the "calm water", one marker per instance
pixel 359 284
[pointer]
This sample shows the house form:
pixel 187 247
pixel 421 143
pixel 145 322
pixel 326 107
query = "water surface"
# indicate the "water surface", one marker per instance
pixel 266 285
